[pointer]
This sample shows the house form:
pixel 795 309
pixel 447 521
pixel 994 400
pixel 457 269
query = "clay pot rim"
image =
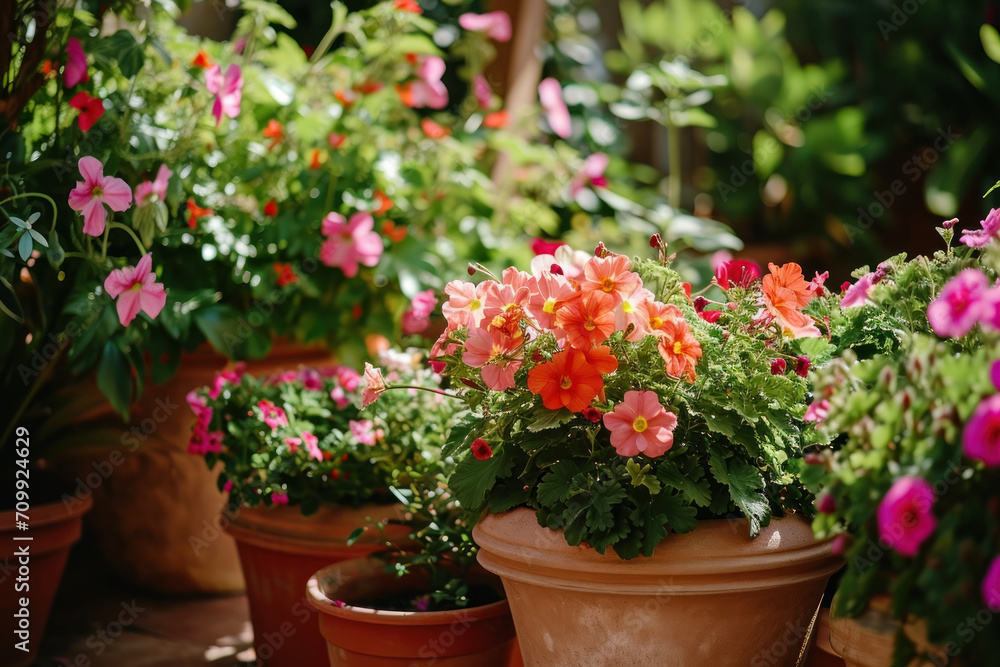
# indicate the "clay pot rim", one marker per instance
pixel 325 605
pixel 48 513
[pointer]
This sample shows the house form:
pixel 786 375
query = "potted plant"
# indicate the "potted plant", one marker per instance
pixel 910 488
pixel 609 410
pixel 304 468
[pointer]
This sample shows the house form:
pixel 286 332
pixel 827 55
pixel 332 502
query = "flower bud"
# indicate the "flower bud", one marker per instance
pixel 700 303
pixel 655 241
pixel 802 365
pixel 778 366
pixel 826 504
pixel 471 270
pixel 557 270
pixel 481 449
pixel 601 251
pixel 949 224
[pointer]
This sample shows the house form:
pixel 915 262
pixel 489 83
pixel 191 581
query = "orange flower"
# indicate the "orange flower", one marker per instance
pixel 382 203
pixel 569 381
pixel 679 349
pixel 588 319
pixel 369 87
pixel 275 132
pixel 346 97
pixel 394 232
pixel 660 314
pixel 408 6
pixel 786 292
pixel 601 359
pixel 195 212
pixel 611 275
pixel 495 120
pixel 202 60
pixel 434 130
pixel 49 70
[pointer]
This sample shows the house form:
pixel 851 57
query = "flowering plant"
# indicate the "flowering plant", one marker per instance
pixel 619 409
pixel 301 437
pixel 910 491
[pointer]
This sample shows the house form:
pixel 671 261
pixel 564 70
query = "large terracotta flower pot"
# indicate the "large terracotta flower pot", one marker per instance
pixel 280 549
pixel 53 529
pixel 869 640
pixel 358 636
pixel 710 597
pixel 157 507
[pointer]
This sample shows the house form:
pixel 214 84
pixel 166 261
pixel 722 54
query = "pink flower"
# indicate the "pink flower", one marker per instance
pixel 496 25
pixel 350 243
pixel 76 63
pixel 634 310
pixel 374 385
pixel 737 272
pixel 498 355
pixel 483 92
pixel 228 91
pixel 428 90
pixel 817 411
pixel 312 445
pixel 995 374
pixel 339 397
pixel 640 424
pixel 545 247
pixel 592 173
pixel 826 504
pixel 94 191
pixel 956 311
pixel 549 293
pixel 991 586
pixel 363 431
pixel 981 438
pixel 293 444
pixel 977 238
pixel 904 515
pixel 417 316
pixel 840 544
pixel 272 415
pixel 348 378
pixel 228 486
pixel 135 290
pixel 817 284
pixel 279 498
pixel 857 294
pixel 311 379
pixel 481 449
pixel 465 304
pixel 91 109
pixel 227 377
pixel 147 192
pixel 556 113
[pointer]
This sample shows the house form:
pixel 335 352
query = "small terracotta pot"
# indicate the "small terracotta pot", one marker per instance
pixel 280 549
pixel 357 636
pixel 710 597
pixel 53 529
pixel 869 640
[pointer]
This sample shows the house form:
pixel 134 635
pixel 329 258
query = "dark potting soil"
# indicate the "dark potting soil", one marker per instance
pixel 410 600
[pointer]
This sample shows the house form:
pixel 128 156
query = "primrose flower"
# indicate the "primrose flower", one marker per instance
pixel 611 275
pixel 957 309
pixel 272 415
pixel 428 90
pixel 76 64
pixel 417 316
pixel 588 319
pixel 551 97
pixel 786 293
pixel 641 425
pixel 497 354
pixel 496 25
pixel 981 437
pixel 857 294
pixel 465 304
pixel 569 380
pixel 228 91
pixel 363 431
pixel 905 519
pixel 135 289
pixel 592 173
pixel 148 192
pixel 977 238
pixel 679 349
pixel 350 243
pixel 94 191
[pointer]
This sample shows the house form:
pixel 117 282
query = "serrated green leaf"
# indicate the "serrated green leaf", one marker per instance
pixel 545 419
pixel 473 478
pixel 693 484
pixel 555 487
pixel 745 488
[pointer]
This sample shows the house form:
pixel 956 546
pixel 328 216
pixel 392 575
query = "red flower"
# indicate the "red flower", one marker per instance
pixel 382 203
pixel 434 130
pixel 91 109
pixel 710 316
pixel 588 320
pixel 409 6
pixel 315 161
pixel 738 272
pixel 592 414
pixel 271 208
pixel 49 69
pixel 346 97
pixel 495 120
pixel 202 60
pixel 778 366
pixel 394 232
pixel 286 274
pixel 481 449
pixel 336 140
pixel 369 87
pixel 545 247
pixel 275 132
pixel 195 212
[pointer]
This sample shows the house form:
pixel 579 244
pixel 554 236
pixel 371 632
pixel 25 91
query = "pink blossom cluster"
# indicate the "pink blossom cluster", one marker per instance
pixel 966 300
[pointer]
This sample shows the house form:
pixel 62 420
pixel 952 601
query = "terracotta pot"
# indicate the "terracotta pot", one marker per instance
pixel 710 597
pixel 53 529
pixel 869 640
pixel 357 636
pixel 280 549
pixel 156 507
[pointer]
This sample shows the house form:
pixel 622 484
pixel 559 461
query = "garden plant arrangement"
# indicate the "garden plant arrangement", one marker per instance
pixel 910 490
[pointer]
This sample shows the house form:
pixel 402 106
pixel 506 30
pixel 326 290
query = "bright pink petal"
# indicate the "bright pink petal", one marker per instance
pixel 76 65
pixel 144 267
pixel 213 79
pixel 94 218
pixel 432 69
pixel 118 281
pixel 129 304
pixel 91 169
pixel 334 223
pixel 361 223
pixel 152 298
pixel 217 110
pixel 369 248
pixel 550 94
pixel 116 193
pixel 495 24
pixel 79 197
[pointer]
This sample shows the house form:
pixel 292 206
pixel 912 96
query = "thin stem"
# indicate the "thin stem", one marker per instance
pixel 104 243
pixel 325 43
pixel 118 225
pixel 442 392
pixel 55 209
pixel 675 182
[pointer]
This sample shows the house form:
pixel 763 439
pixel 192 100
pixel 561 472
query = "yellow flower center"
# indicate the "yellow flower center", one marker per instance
pixel 640 424
pixel 627 307
pixel 677 347
pixel 550 305
pixel 608 285
pixel 499 321
pixel 565 383
pixel 97 191
pixel 589 325
pixel 656 323
pixel 475 304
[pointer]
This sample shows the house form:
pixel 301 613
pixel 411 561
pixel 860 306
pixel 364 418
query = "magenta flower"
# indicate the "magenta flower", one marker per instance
pixel 639 424
pixel 272 415
pixel 904 515
pixel 995 374
pixel 977 238
pixel 817 410
pixel 592 173
pixel 956 311
pixel 312 445
pixel 76 63
pixel 94 191
pixel 363 431
pixel 556 113
pixel 228 91
pixel 857 294
pixel 350 243
pixel 417 316
pixel 428 90
pixel 149 191
pixel 496 25
pixel 483 92
pixel 981 438
pixel 135 290
pixel 991 586
pixel 737 272
pixel 279 498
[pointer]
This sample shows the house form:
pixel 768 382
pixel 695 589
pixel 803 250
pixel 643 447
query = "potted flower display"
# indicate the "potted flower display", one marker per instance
pixel 910 489
pixel 304 469
pixel 611 413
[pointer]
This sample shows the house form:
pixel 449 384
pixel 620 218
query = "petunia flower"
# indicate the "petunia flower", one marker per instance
pixel 76 63
pixel 981 437
pixel 679 349
pixel 592 173
pixel 228 91
pixel 91 109
pixel 977 238
pixel 641 425
pixel 588 320
pixel 611 275
pixel 496 25
pixel 94 191
pixel 958 308
pixel 350 243
pixel 567 381
pixel 497 355
pixel 135 289
pixel 272 415
pixel 551 97
pixel 374 385
pixel 148 192
pixel 786 293
pixel 417 316
pixel 857 294
pixel 428 90
pixel 904 515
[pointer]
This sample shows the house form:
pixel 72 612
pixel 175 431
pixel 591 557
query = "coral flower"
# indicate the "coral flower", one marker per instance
pixel 588 320
pixel 91 109
pixel 639 424
pixel 76 63
pixel 550 293
pixel 786 292
pixel 275 132
pixel 202 60
pixel 382 203
pixel 336 140
pixel 408 6
pixel 956 311
pixel 94 191
pixel 981 438
pixel 417 317
pixel 496 25
pixel 569 381
pixel 497 354
pixel 228 91
pixel 374 385
pixel 679 349
pixel 611 275
pixel 286 274
pixel 904 515
pixel 434 130
pixel 350 243
pixel 551 96
pixel 737 272
pixel 465 304
pixel 661 314
pixel 634 311
pixel 149 191
pixel 196 212
pixel 991 586
pixel 495 120
pixel 135 289
pixel 481 449
pixel 977 238
pixel 592 173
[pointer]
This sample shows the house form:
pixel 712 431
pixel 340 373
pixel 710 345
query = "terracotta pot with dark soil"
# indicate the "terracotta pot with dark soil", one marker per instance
pixel 359 634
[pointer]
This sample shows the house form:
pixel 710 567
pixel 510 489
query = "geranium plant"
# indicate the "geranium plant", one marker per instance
pixel 619 409
pixel 910 491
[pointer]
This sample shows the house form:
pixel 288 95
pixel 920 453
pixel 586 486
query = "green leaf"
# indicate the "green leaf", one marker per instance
pixel 38 238
pixel 745 488
pixel 114 378
pixel 473 478
pixel 122 48
pixel 24 247
pixel 679 516
pixel 692 483
pixel 355 534
pixel 231 334
pixel 545 419
pixel 556 485
pixel 9 303
pixel 990 38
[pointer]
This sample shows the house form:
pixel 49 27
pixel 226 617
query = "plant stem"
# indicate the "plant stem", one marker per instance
pixel 55 209
pixel 118 225
pixel 442 392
